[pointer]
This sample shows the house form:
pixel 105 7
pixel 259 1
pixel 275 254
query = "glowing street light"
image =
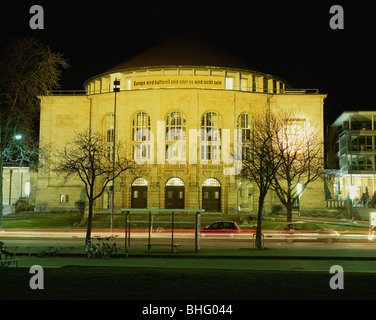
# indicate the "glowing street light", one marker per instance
pixel 18 137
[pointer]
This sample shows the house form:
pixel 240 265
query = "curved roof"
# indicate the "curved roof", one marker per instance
pixel 185 50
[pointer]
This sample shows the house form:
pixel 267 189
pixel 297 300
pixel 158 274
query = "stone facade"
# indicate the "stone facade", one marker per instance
pixel 184 98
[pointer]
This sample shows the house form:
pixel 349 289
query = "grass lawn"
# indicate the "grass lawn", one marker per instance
pixel 103 221
pixel 178 284
pixel 42 221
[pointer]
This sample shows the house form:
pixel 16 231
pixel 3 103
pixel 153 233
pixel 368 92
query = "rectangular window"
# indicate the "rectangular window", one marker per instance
pixel 265 85
pixel 64 198
pixel 229 83
pixel 244 84
pixel 254 86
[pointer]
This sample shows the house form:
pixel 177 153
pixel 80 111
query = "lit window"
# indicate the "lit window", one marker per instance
pixel 229 83
pixel 175 136
pixel 175 182
pixel 243 84
pixel 244 124
pixel 211 127
pixel 110 127
pixel 64 198
pixel 141 136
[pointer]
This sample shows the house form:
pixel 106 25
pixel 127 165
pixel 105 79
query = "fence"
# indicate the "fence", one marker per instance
pixel 335 203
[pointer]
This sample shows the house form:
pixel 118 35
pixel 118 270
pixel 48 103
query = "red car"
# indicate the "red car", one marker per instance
pixel 221 228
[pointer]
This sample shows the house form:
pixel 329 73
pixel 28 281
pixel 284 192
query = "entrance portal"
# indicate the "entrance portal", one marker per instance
pixel 174 194
pixel 140 193
pixel 211 195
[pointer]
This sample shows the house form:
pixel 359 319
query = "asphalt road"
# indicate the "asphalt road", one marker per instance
pixel 274 273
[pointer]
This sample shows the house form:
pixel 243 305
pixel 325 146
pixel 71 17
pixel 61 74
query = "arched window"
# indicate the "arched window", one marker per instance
pixel 141 127
pixel 211 129
pixel 141 137
pixel 175 136
pixel 244 124
pixel 110 127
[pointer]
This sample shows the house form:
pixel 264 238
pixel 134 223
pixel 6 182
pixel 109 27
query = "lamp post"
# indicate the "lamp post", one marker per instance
pixel 116 89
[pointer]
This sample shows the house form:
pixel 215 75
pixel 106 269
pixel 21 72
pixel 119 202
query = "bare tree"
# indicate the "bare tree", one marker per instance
pixel 28 68
pixel 89 158
pixel 260 159
pixel 300 157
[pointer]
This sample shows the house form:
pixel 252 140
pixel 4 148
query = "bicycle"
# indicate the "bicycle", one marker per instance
pixel 5 256
pixel 90 249
pixel 111 246
pixel 101 248
pixel 154 230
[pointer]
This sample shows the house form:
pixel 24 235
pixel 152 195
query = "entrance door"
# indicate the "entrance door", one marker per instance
pixel 139 193
pixel 174 194
pixel 139 196
pixel 211 195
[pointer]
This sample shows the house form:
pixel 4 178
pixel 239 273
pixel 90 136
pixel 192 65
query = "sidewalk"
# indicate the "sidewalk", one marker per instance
pixel 71 243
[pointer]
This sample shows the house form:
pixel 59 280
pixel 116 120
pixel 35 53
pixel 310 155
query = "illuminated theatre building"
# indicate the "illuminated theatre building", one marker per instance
pixel 168 91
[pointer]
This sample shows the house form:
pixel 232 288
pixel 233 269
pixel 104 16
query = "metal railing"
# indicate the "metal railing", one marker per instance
pixel 300 91
pixel 67 92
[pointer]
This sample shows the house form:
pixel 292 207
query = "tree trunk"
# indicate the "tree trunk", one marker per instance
pixel 89 221
pixel 258 244
pixel 289 212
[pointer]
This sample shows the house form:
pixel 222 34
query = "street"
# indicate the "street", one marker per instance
pixel 224 268
pixel 215 253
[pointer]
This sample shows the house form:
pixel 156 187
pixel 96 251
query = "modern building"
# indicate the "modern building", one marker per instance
pixel 181 86
pixel 352 155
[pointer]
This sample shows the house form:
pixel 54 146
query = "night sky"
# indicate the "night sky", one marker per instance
pixel 292 40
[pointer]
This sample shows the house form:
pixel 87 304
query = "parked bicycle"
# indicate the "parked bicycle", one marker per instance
pixel 154 230
pixel 90 249
pixel 100 248
pixel 5 256
pixel 104 247
pixel 111 246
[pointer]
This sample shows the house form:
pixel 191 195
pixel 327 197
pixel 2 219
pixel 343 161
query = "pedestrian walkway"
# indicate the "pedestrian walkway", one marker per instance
pixel 65 243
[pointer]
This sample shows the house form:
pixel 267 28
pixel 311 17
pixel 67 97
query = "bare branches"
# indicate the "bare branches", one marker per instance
pixel 283 153
pixel 260 158
pixel 89 158
pixel 300 150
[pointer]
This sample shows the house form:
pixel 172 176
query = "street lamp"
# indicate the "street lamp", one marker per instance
pixel 18 137
pixel 116 89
